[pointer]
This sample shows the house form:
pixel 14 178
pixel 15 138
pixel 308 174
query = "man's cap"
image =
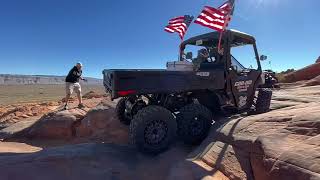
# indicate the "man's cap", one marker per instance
pixel 79 63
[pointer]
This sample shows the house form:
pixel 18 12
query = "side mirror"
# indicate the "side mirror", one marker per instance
pixel 263 58
pixel 189 55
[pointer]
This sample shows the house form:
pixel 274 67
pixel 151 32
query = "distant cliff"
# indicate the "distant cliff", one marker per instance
pixel 8 79
pixel 306 73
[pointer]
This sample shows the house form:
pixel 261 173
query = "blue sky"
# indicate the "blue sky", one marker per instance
pixel 49 36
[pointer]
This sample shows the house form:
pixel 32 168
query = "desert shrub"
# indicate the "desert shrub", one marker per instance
pixel 282 74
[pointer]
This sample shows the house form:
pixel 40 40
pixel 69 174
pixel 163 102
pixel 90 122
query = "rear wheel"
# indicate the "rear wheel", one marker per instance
pixel 153 129
pixel 263 100
pixel 121 112
pixel 194 122
pixel 210 101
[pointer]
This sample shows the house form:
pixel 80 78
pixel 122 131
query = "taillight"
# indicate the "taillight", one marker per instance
pixel 126 93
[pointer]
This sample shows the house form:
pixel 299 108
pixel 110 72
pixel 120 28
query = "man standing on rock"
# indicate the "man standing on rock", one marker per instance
pixel 72 84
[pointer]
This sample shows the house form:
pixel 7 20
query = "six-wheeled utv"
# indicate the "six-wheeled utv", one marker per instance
pixel 183 99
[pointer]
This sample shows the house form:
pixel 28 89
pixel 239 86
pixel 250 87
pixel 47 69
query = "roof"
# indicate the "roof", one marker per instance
pixel 239 38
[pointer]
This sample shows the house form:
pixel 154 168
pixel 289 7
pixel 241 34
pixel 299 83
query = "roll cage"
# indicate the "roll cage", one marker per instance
pixel 230 39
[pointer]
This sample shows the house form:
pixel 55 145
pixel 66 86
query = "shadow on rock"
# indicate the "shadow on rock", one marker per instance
pixel 89 161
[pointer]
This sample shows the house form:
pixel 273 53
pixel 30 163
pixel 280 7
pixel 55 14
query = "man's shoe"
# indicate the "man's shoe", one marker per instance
pixel 81 106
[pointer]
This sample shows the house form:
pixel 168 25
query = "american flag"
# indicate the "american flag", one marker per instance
pixel 179 24
pixel 216 19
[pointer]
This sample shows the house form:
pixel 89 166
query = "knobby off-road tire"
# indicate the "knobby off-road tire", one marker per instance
pixel 210 101
pixel 153 129
pixel 263 100
pixel 120 112
pixel 194 123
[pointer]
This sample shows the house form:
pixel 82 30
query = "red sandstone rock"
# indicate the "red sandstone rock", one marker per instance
pixel 54 126
pixel 313 82
pixel 281 144
pixel 306 73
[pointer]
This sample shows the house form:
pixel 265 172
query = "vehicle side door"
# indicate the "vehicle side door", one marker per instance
pixel 243 83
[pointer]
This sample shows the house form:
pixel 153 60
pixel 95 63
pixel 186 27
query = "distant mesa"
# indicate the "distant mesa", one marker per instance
pixel 318 60
pixel 10 79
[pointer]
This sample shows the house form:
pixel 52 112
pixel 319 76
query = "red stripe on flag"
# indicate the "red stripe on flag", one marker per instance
pixel 177 18
pixel 179 24
pixel 212 10
pixel 216 19
pixel 209 26
pixel 169 30
pixel 211 18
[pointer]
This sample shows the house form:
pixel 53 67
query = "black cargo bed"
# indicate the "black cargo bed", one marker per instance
pixel 136 82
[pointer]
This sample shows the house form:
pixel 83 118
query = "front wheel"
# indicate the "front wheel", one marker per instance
pixel 263 100
pixel 153 129
pixel 194 122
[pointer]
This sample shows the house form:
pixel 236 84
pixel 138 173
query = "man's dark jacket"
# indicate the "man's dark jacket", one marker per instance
pixel 74 75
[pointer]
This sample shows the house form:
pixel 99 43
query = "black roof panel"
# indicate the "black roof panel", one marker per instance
pixel 239 38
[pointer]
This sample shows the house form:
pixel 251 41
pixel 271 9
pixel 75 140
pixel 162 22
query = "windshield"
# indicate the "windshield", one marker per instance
pixel 204 50
pixel 207 54
pixel 245 55
pixel 236 65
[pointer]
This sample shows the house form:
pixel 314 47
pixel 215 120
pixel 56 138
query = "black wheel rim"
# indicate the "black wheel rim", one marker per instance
pixel 155 132
pixel 197 125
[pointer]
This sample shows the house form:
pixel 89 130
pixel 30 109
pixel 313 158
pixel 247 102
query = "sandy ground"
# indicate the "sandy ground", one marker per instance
pixel 17 94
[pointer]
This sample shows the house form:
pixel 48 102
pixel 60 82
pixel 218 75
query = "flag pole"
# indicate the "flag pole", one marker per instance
pixel 225 24
pixel 179 55
pixel 219 44
pixel 182 38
